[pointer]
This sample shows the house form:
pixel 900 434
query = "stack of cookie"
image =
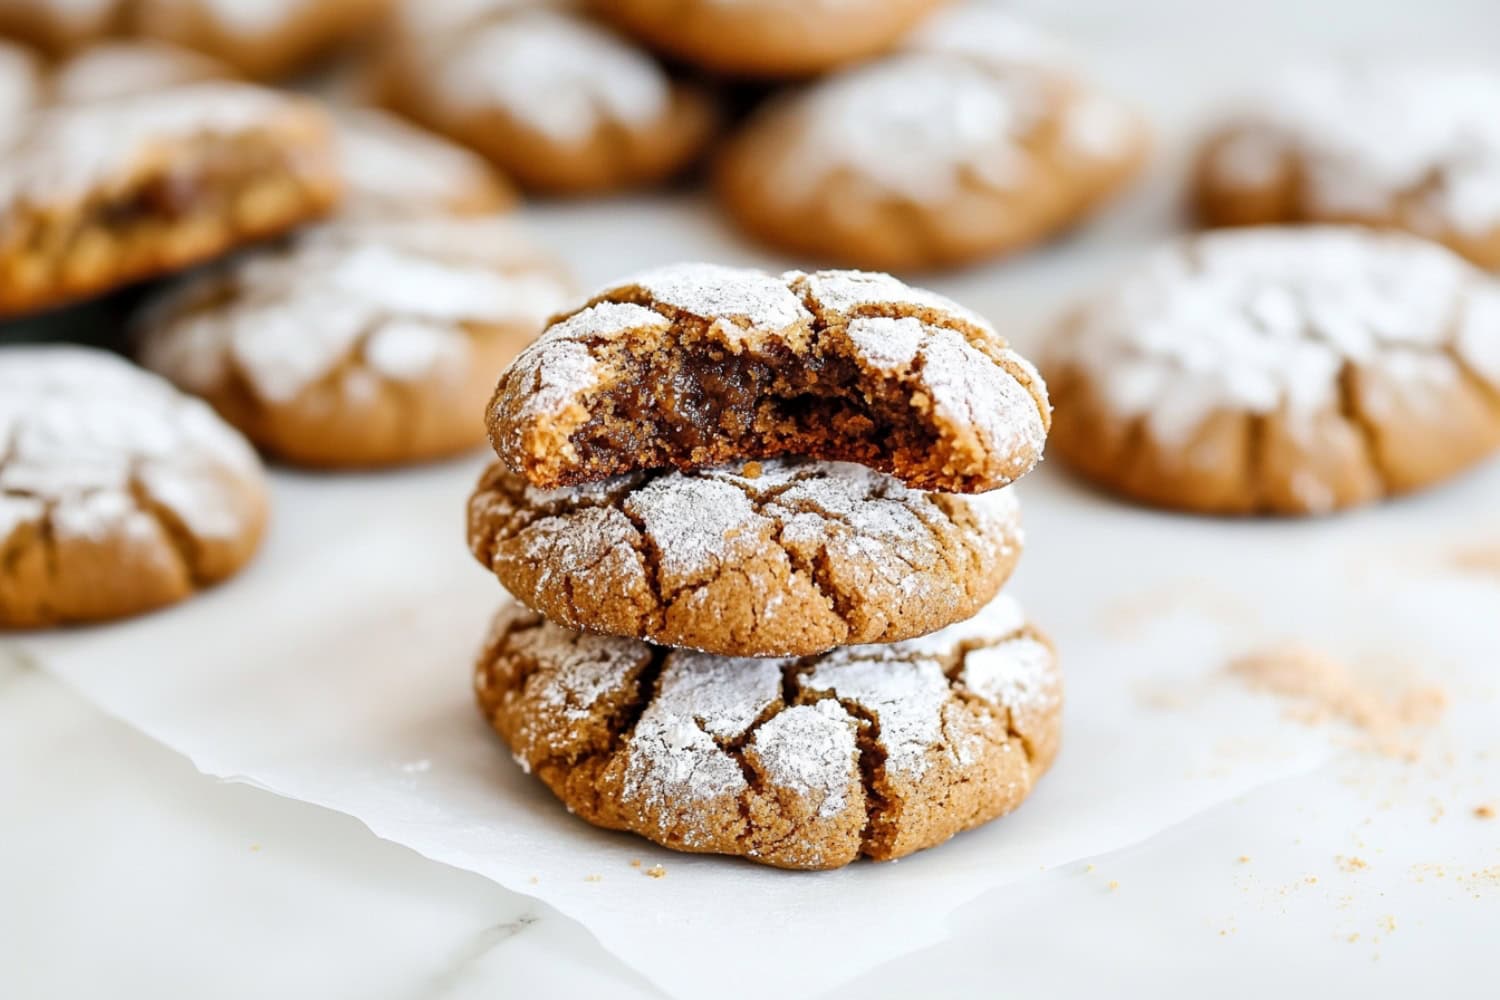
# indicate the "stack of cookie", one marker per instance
pixel 757 527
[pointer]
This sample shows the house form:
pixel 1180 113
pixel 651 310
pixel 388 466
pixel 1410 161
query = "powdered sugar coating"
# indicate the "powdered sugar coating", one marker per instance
pixel 1422 141
pixel 749 300
pixel 1267 320
pixel 20 89
pixel 87 438
pixel 117 69
pixel 384 296
pixel 391 166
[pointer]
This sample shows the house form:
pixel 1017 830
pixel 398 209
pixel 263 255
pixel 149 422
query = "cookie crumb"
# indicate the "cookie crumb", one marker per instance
pixel 1244 859
pixel 1113 885
pixel 1311 880
pixel 1388 922
pixel 593 878
pixel 751 470
pixel 534 880
pixel 656 871
pixel 1352 937
pixel 1352 864
pixel 635 862
pixel 1485 811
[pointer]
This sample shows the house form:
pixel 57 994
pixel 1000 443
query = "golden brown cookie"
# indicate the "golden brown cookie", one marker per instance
pixel 263 39
pixel 768 38
pixel 59 26
pixel 1281 371
pixel 697 365
pixel 971 142
pixel 556 101
pixel 1409 147
pixel 392 168
pixel 98 195
pixel 873 751
pixel 118 494
pixel 782 558
pixel 117 69
pixel 358 344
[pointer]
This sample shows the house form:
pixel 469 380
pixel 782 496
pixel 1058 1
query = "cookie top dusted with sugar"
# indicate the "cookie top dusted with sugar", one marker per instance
pixel 116 69
pixel 100 194
pixel 867 751
pixel 697 365
pixel 264 39
pixel 359 343
pixel 785 558
pixel 555 100
pixel 1275 370
pixel 391 167
pixel 58 26
pixel 975 139
pixel 20 88
pixel 768 38
pixel 1409 146
pixel 117 493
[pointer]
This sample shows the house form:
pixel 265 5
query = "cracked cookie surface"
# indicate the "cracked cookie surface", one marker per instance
pixel 873 751
pixel 768 38
pixel 1281 371
pixel 696 365
pixel 784 558
pixel 97 195
pixel 1412 146
pixel 555 100
pixel 360 343
pixel 973 140
pixel 117 493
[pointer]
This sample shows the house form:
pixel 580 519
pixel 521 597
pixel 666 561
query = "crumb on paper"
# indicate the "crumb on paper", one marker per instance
pixel 1244 859
pixel 1088 868
pixel 534 880
pixel 1311 880
pixel 1485 810
pixel 656 871
pixel 635 862
pixel 1113 885
pixel 1352 864
pixel 1325 689
pixel 1352 937
pixel 1388 922
pixel 752 470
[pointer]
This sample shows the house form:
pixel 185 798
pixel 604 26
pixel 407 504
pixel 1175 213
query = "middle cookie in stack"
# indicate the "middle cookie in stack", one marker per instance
pixel 769 472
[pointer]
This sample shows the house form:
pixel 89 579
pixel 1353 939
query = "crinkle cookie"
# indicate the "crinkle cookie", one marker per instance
pixel 392 168
pixel 97 195
pixel 768 38
pixel 1410 147
pixel 1285 371
pixel 873 751
pixel 973 141
pixel 785 558
pixel 556 101
pixel 118 494
pixel 111 70
pixel 698 365
pixel 264 39
pixel 359 344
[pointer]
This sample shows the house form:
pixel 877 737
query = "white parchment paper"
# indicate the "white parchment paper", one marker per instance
pixel 336 670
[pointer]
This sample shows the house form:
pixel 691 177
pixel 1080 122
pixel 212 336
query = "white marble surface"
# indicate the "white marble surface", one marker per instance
pixel 123 872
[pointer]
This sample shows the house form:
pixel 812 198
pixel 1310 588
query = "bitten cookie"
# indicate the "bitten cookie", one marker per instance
pixel 556 101
pixel 264 39
pixel 768 38
pixel 698 365
pixel 873 751
pixel 1286 371
pixel 1411 147
pixel 97 195
pixel 776 559
pixel 117 493
pixel 391 168
pixel 971 142
pixel 358 344
pixel 111 70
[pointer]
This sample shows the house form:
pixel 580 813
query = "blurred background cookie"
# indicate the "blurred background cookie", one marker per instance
pixel 117 493
pixel 59 26
pixel 1281 371
pixel 782 558
pixel 760 758
pixel 768 38
pixel 121 68
pixel 391 167
pixel 973 141
pixel 1412 147
pixel 97 195
pixel 21 88
pixel 359 343
pixel 556 101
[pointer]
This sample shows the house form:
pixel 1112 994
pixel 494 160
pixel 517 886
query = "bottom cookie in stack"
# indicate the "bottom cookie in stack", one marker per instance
pixel 811 762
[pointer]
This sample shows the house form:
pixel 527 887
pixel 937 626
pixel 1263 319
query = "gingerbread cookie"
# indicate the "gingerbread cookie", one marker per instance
pixel 554 100
pixel 263 39
pixel 59 26
pixel 112 70
pixel 358 344
pixel 117 493
pixel 971 142
pixel 873 751
pixel 768 38
pixel 392 168
pixel 97 195
pixel 1411 147
pixel 785 558
pixel 1286 371
pixel 698 365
